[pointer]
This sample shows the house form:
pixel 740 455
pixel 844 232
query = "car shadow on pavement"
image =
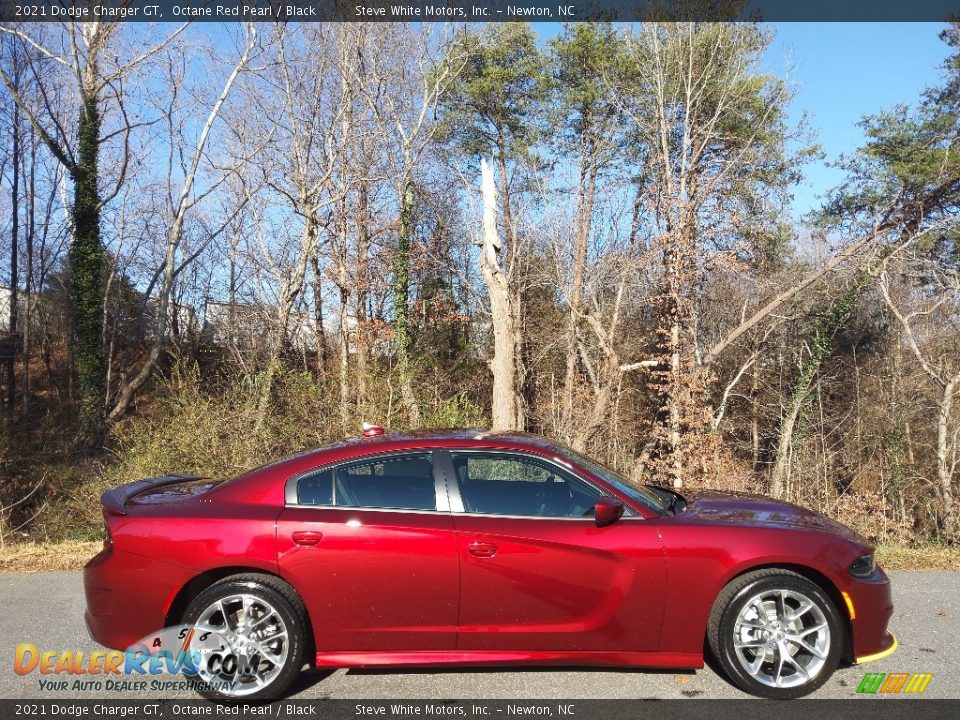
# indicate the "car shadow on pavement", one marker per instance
pixel 463 670
pixel 309 677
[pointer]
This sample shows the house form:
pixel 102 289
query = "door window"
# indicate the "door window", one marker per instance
pixel 403 482
pixel 510 484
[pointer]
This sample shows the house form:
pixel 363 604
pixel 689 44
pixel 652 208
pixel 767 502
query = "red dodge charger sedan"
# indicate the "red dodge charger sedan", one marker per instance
pixel 478 548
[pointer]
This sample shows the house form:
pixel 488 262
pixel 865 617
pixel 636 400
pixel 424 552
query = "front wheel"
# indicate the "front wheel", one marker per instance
pixel 776 634
pixel 260 625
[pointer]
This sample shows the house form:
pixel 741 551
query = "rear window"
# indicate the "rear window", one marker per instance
pixel 402 482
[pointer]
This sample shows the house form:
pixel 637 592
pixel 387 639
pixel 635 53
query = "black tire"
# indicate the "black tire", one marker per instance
pixel 721 634
pixel 287 604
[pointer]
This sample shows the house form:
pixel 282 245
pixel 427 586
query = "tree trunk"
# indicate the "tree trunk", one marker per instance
pixel 343 334
pixel 944 466
pixel 363 249
pixel 318 313
pixel 676 380
pixel 821 343
pixel 129 389
pixel 401 293
pixel 28 280
pixel 511 273
pixel 14 254
pixel 780 475
pixel 344 341
pixel 588 185
pixel 86 276
pixel 232 296
pixel 502 311
pixel 597 414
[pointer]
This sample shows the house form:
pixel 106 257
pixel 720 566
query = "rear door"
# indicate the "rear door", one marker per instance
pixel 536 573
pixel 371 545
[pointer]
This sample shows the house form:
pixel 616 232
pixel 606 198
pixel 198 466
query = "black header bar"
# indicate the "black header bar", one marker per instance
pixel 478 10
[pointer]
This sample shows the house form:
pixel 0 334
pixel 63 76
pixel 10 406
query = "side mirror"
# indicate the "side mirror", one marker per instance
pixel 607 511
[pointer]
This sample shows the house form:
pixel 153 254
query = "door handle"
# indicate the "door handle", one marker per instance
pixel 307 537
pixel 482 549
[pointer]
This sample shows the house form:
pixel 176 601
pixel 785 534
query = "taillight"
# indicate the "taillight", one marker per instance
pixel 107 537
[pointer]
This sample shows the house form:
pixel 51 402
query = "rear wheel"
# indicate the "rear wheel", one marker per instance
pixel 262 626
pixel 776 634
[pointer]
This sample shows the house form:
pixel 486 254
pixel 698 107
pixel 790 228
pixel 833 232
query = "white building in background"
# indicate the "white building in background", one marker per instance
pixel 242 325
pixel 252 323
pixel 181 320
pixel 4 309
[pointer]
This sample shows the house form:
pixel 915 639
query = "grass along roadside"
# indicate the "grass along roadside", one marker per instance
pixel 73 554
pixel 925 557
pixel 46 557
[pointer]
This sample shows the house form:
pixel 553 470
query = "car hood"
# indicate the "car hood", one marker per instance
pixel 757 510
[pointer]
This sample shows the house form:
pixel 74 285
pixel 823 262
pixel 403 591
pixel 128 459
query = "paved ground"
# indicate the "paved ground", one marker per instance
pixel 46 609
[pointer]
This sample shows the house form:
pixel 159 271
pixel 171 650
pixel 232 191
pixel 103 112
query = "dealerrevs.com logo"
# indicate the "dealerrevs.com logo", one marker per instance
pixel 894 683
pixel 202 658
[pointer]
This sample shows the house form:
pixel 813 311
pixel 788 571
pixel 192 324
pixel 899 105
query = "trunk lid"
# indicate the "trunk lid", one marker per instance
pixel 155 491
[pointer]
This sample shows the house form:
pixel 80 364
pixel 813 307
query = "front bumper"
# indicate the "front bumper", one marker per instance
pixel 891 649
pixel 872 608
pixel 127 596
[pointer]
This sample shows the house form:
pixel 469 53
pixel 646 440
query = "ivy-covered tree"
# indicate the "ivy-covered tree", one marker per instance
pixel 711 129
pixel 93 69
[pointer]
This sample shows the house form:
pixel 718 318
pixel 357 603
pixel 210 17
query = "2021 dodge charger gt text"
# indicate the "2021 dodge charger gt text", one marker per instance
pixel 473 548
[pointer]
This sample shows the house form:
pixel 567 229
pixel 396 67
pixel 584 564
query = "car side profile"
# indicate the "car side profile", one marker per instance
pixel 463 548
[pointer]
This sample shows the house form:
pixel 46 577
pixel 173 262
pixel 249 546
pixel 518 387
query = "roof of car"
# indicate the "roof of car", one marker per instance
pixel 468 436
pixel 359 445
pixel 479 434
pixel 416 438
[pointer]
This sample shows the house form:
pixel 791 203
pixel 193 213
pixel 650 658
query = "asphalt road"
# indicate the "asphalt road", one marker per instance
pixel 46 609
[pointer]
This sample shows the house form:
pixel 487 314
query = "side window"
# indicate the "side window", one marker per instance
pixel 506 484
pixel 316 489
pixel 404 482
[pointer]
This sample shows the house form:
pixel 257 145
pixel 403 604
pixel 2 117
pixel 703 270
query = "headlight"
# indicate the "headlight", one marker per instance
pixel 864 566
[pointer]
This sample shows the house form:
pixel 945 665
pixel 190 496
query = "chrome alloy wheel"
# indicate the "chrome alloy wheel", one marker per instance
pixel 255 644
pixel 781 638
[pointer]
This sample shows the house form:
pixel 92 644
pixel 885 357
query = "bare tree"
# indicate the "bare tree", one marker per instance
pixel 180 203
pixel 307 128
pixel 927 309
pixel 97 75
pixel 402 89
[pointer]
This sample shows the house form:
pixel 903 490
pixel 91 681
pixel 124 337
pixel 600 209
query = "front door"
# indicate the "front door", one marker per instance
pixel 536 573
pixel 371 545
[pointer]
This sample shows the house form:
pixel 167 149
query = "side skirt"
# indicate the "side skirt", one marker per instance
pixel 454 658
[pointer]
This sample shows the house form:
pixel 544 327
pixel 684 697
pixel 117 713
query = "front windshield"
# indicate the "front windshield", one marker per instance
pixel 642 495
